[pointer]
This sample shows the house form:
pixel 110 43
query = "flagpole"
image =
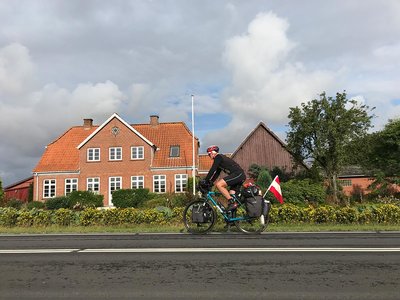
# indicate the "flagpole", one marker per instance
pixel 193 152
pixel 270 186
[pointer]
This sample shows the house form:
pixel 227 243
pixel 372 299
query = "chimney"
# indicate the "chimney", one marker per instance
pixel 154 120
pixel 87 123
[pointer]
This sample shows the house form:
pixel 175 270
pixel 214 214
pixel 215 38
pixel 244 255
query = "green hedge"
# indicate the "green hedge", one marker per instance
pixel 287 213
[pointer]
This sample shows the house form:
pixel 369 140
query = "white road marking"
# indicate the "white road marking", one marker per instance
pixel 194 250
pixel 206 250
pixel 37 251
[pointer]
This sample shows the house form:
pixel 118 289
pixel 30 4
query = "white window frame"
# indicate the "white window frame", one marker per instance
pixel 180 183
pixel 115 153
pixel 137 152
pixel 50 185
pixel 71 184
pixel 137 182
pixel 93 154
pixel 93 184
pixel 160 184
pixel 114 184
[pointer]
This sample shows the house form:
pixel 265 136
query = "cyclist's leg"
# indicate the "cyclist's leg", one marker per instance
pixel 233 180
pixel 221 185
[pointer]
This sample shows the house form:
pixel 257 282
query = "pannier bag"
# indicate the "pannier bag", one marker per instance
pixel 201 213
pixel 254 206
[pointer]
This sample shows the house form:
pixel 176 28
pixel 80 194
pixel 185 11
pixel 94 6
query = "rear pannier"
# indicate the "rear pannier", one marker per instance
pixel 201 213
pixel 254 206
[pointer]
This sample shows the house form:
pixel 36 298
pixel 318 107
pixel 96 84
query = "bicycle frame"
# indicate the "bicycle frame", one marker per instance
pixel 223 212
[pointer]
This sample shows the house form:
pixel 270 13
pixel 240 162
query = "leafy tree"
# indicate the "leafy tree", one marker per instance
pixel 379 155
pixel 320 130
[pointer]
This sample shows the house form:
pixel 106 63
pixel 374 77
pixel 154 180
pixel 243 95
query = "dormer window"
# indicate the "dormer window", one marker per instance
pixel 174 151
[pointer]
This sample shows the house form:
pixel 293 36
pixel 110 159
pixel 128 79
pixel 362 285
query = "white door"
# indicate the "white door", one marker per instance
pixel 114 184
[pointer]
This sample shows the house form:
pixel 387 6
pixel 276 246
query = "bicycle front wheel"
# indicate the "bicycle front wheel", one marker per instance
pixel 199 217
pixel 250 225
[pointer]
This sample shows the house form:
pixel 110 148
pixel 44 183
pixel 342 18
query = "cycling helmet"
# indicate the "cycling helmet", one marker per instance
pixel 213 148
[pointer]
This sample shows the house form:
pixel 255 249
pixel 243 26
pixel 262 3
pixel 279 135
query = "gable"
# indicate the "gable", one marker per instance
pixel 123 123
pixel 263 148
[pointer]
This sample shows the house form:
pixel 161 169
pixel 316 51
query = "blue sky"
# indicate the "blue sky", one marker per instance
pixel 245 61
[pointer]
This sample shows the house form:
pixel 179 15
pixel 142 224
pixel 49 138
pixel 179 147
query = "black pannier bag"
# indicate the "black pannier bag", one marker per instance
pixel 254 206
pixel 201 213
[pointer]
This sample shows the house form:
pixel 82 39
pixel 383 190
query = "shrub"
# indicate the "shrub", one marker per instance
pixel 301 192
pixel 41 217
pixel 35 204
pixel 290 213
pixel 323 214
pixel 84 199
pixel 15 203
pixel 64 217
pixel 24 219
pixel 130 197
pixel 57 203
pixel 346 215
pixel 91 216
pixel 8 216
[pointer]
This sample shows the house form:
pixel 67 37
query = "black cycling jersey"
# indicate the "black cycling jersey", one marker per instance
pixel 222 163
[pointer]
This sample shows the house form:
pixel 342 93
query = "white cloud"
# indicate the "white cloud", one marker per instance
pixel 16 70
pixel 265 84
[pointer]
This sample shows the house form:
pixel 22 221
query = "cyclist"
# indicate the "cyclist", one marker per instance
pixel 235 178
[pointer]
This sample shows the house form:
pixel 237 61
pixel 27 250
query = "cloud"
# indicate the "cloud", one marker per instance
pixel 264 81
pixel 31 116
pixel 16 70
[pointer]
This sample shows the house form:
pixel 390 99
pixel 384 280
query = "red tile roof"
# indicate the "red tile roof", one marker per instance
pixel 165 135
pixel 62 154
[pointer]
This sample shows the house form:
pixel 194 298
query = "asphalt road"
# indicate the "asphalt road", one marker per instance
pixel 220 266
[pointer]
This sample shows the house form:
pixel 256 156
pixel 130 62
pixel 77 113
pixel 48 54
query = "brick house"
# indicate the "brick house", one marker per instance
pixel 116 155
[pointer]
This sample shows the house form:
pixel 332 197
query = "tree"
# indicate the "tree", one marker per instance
pixel 379 155
pixel 320 130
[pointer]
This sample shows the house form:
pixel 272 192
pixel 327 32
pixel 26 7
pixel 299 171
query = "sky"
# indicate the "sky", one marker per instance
pixel 244 61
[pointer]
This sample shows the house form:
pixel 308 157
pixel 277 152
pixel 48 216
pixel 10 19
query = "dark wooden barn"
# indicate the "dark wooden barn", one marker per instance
pixel 264 148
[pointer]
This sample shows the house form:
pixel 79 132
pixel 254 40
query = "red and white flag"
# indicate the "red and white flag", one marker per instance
pixel 275 188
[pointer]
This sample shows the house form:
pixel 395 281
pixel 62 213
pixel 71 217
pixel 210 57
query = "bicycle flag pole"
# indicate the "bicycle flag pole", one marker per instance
pixel 275 188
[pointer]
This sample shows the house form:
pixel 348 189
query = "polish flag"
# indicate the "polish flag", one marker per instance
pixel 275 188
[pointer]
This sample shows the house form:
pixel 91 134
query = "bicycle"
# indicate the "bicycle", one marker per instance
pixel 199 216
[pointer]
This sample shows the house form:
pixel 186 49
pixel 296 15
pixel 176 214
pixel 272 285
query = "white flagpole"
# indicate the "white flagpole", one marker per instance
pixel 270 186
pixel 194 162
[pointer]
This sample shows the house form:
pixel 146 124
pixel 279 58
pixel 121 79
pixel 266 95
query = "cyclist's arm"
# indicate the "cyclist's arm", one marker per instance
pixel 215 170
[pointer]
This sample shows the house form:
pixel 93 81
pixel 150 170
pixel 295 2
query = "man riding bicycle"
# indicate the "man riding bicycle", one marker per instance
pixel 235 177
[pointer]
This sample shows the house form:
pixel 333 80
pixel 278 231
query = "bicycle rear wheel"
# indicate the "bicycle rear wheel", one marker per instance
pixel 199 217
pixel 250 225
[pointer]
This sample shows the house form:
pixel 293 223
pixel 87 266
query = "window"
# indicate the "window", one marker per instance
pixel 137 152
pixel 345 182
pixel 159 183
pixel 93 185
pixel 93 154
pixel 49 188
pixel 137 182
pixel 116 153
pixel 180 183
pixel 174 151
pixel 71 184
